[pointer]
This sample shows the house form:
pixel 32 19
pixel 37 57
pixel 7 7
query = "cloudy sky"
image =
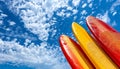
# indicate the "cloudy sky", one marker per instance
pixel 30 29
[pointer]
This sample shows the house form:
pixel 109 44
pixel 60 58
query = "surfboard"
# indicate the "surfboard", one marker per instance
pixel 96 55
pixel 107 36
pixel 74 54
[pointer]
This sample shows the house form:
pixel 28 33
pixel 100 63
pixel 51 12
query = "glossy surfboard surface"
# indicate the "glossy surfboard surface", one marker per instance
pixel 107 36
pixel 97 56
pixel 74 54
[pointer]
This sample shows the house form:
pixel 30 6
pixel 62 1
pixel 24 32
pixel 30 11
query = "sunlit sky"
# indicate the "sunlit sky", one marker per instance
pixel 30 29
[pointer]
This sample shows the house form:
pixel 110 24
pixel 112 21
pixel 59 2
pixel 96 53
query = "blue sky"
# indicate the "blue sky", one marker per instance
pixel 30 29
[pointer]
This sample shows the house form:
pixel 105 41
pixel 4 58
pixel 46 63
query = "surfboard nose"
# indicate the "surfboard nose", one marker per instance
pixel 98 25
pixel 90 19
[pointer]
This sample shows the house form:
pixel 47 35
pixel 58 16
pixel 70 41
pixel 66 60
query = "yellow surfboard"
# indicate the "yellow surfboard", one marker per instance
pixel 96 55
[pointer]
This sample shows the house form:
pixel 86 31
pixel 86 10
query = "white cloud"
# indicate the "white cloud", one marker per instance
pixel 12 23
pixel 10 51
pixel 90 5
pixel 114 5
pixel 89 1
pixel 104 17
pixel 75 2
pixel 75 11
pixel 114 24
pixel 84 5
pixel 112 9
pixel 84 12
pixel 114 13
pixel 1 22
pixel 2 16
pixel 34 14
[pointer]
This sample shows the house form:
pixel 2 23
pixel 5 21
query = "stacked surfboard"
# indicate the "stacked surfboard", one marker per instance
pixel 101 50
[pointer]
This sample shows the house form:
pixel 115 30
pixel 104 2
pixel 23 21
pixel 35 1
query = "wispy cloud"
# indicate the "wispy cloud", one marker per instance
pixel 35 15
pixel 104 17
pixel 33 56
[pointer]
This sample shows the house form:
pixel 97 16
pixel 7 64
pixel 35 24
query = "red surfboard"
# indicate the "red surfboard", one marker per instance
pixel 74 54
pixel 107 36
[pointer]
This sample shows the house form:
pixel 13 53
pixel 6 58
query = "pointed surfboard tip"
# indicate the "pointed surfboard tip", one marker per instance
pixel 76 26
pixel 90 20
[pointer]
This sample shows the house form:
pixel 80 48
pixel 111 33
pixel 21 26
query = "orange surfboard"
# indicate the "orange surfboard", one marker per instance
pixel 74 54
